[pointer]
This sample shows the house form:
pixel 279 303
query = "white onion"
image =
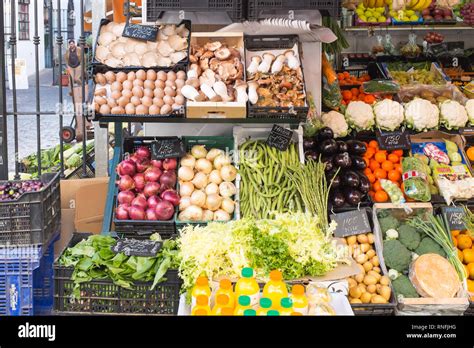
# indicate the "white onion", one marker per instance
pixel 207 215
pixel 186 173
pixel 212 188
pixel 200 180
pixel 221 161
pixel 227 205
pixel 185 202
pixel 221 215
pixel 204 165
pixel 213 202
pixel 227 189
pixel 198 151
pixel 198 198
pixel 191 213
pixel 215 177
pixel 213 153
pixel 188 161
pixel 228 173
pixel 186 189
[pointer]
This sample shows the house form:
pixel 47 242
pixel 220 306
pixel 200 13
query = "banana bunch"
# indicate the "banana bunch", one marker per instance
pixel 414 5
pixel 375 3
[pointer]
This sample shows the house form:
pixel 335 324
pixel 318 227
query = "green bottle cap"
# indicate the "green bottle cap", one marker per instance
pixel 250 312
pixel 265 302
pixel 286 302
pixel 247 272
pixel 273 313
pixel 244 300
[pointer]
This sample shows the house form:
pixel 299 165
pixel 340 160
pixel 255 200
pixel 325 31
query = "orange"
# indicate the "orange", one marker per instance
pixel 455 233
pixel 380 173
pixel 367 171
pixel 455 243
pixel 468 255
pixel 340 76
pixel 470 153
pixel 347 95
pixel 464 242
pixel 355 91
pixel 371 178
pixel 377 186
pixel 393 158
pixel 370 152
pixel 367 161
pixel 460 255
pixel 387 165
pixel 381 196
pixel 398 168
pixel 374 144
pixel 380 157
pixel 374 165
pixel 470 285
pixel 399 153
pixel 346 74
pixel 470 268
pixel 394 175
pixel 371 194
pixel 369 99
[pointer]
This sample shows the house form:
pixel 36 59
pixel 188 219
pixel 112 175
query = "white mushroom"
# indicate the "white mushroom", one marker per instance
pixel 177 56
pixel 241 89
pixel 162 36
pixel 131 59
pixel 253 96
pixel 165 49
pixel 106 38
pixel 221 89
pixel 101 53
pixel 113 62
pixel 189 92
pixel 194 71
pixel 182 30
pixel 130 46
pixel 149 59
pixel 152 46
pixel 253 67
pixel 118 29
pixel 265 65
pixel 118 51
pixel 208 91
pixel 293 62
pixel 141 48
pixel 169 29
pixel 278 64
pixel 164 61
pixel 177 43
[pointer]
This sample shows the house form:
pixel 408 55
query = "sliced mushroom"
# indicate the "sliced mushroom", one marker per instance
pixel 222 53
pixel 212 46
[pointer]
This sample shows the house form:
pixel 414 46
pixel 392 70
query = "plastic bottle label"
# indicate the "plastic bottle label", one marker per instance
pixel 254 299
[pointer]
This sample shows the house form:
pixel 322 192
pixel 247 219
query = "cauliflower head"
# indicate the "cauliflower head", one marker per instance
pixel 388 223
pixel 453 114
pixel 409 237
pixel 389 114
pixel 396 255
pixel 336 122
pixel 360 115
pixel 470 110
pixel 421 114
pixel 403 287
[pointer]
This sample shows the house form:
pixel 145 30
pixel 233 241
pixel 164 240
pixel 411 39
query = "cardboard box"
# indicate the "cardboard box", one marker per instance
pixel 90 205
pixel 69 189
pixel 67 229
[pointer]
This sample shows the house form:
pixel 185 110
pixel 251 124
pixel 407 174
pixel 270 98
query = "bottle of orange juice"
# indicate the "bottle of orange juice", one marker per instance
pixel 247 285
pixel 286 306
pixel 273 313
pixel 265 306
pixel 250 312
pixel 200 288
pixel 275 289
pixel 202 306
pixel 243 304
pixel 300 302
pixel 222 301
pixel 225 287
pixel 227 311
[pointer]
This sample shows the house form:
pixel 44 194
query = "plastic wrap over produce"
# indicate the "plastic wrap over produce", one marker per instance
pixel 459 189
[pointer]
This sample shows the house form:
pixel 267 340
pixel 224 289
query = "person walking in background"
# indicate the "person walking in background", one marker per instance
pixel 73 61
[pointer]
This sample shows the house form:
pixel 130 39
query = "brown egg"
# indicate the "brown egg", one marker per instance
pixel 151 75
pixel 141 75
pixel 158 92
pixel 100 100
pixel 165 109
pixel 159 84
pixel 111 102
pixel 127 93
pixel 168 100
pixel 138 83
pixel 96 107
pixel 181 75
pixel 148 92
pixel 116 86
pixel 154 110
pixel 110 76
pixel 171 75
pixel 170 91
pixel 176 107
pixel 179 83
pixel 127 84
pixel 130 109
pixel 147 101
pixel 121 76
pixel 131 76
pixel 100 91
pixel 135 100
pixel 104 109
pixel 149 84
pixel 158 102
pixel 117 110
pixel 162 76
pixel 137 91
pixel 179 99
pixel 141 110
pixel 115 94
pixel 170 83
pixel 122 101
pixel 100 79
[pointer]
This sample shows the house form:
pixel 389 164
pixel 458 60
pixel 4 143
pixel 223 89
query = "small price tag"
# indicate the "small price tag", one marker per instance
pixel 455 217
pixel 393 140
pixel 351 223
pixel 167 148
pixel 137 247
pixel 140 32
pixel 280 137
pixel 467 131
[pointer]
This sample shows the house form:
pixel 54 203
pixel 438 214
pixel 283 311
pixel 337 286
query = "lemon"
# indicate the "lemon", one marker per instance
pixel 393 13
pixel 409 13
pixel 388 2
pixel 414 18
pixel 372 20
pixel 380 9
pixel 382 19
pixel 368 14
pixel 360 12
pixel 363 18
pixel 377 15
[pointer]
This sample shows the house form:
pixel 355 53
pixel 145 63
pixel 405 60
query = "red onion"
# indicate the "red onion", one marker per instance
pixel 151 189
pixel 133 158
pixel 168 178
pixel 142 195
pixel 170 163
pixel 126 183
pixel 150 214
pixel 136 213
pixel 164 210
pixel 125 197
pixel 126 167
pixel 153 201
pixel 121 213
pixel 143 152
pixel 139 202
pixel 157 164
pixel 142 165
pixel 140 181
pixel 126 206
pixel 171 196
pixel 152 174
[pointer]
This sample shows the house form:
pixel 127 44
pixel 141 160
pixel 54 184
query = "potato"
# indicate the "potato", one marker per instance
pixel 370 237
pixel 360 277
pixel 351 240
pixel 379 288
pixel 343 241
pixel 376 269
pixel 375 274
pixel 375 261
pixel 369 280
pixel 352 282
pixel 355 292
pixel 366 297
pixel 355 300
pixel 385 292
pixel 371 288
pixel 384 280
pixel 377 299
pixel 367 266
pixel 362 238
pixel 362 287
pixel 364 247
pixel 370 253
pixel 361 258
pixel 361 268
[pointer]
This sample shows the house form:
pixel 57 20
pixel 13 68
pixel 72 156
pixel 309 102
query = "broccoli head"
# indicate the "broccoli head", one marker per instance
pixel 403 286
pixel 396 255
pixel 409 237
pixel 387 223
pixel 429 246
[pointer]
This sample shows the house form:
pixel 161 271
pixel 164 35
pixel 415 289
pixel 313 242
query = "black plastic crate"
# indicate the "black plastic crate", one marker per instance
pixel 470 310
pixel 272 42
pixel 371 68
pixel 34 217
pixel 141 229
pixel 331 8
pixel 234 8
pixel 104 297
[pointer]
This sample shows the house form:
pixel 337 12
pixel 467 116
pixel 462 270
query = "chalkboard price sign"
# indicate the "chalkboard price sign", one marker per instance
pixel 393 140
pixel 140 32
pixel 137 247
pixel 351 223
pixel 280 137
pixel 467 131
pixel 167 148
pixel 455 217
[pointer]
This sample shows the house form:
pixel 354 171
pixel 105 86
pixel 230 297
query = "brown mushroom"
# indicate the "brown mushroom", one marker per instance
pixel 192 58
pixel 226 70
pixel 204 63
pixel 207 55
pixel 222 53
pixel 234 52
pixel 214 64
pixel 212 46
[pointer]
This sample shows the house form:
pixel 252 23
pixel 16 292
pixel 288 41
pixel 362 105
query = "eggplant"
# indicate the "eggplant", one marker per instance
pixel 328 147
pixel 311 154
pixel 330 174
pixel 336 181
pixel 337 199
pixel 358 163
pixel 342 146
pixel 353 197
pixel 342 160
pixel 364 184
pixel 350 179
pixel 309 143
pixel 328 161
pixel 325 133
pixel 356 147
